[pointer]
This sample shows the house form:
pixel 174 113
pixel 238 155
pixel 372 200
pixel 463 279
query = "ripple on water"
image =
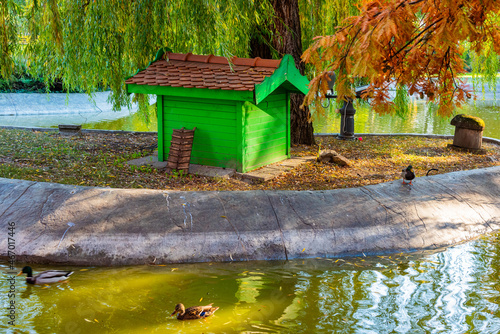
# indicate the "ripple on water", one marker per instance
pixel 454 291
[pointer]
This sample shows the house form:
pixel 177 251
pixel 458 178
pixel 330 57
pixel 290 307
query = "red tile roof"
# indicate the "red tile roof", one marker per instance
pixel 212 72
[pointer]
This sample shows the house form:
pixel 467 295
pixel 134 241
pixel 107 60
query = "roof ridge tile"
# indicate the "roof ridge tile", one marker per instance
pixel 211 59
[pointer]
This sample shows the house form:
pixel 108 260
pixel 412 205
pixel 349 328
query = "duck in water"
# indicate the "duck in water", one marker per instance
pixel 194 312
pixel 45 277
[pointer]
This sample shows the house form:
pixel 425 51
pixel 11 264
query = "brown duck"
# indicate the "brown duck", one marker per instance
pixel 194 312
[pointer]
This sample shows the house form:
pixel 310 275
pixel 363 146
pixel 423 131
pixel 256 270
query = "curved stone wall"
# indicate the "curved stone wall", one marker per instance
pixel 123 227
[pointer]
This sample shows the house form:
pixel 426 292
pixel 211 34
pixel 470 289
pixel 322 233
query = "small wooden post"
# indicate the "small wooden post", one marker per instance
pixel 180 149
pixel 468 131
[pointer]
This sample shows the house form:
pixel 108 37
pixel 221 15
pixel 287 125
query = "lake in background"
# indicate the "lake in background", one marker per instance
pixel 420 119
pixel 43 110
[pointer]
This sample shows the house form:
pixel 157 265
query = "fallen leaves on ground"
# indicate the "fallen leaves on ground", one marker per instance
pixel 99 159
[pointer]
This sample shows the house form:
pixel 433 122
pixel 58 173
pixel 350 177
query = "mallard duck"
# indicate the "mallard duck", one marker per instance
pixel 407 174
pixel 45 277
pixel 194 312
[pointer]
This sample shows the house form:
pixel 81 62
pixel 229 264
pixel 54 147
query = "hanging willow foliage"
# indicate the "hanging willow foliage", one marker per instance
pixel 92 45
pixel 9 27
pixel 323 17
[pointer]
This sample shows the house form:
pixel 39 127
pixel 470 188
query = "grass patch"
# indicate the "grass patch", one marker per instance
pixel 100 160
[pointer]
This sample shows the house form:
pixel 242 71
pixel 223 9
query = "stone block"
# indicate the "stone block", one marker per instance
pixel 70 130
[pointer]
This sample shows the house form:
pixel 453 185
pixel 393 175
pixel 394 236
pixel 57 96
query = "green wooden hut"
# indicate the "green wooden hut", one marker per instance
pixel 241 109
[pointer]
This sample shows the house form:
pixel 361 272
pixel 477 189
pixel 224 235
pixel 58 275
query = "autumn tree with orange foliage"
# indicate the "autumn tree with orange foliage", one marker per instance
pixel 415 44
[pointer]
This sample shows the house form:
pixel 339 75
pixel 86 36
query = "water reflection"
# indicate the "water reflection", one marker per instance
pixel 455 291
pixel 422 118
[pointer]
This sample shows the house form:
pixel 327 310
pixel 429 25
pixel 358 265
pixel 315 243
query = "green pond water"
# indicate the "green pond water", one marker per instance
pixel 453 291
pixel 421 119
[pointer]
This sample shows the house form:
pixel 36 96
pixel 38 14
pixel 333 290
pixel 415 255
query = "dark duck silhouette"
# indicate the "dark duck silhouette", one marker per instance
pixel 45 277
pixel 194 312
pixel 407 174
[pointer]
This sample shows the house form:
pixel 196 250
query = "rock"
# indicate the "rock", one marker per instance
pixel 330 156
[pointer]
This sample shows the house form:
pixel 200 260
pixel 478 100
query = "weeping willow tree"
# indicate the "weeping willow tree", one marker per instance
pixel 9 30
pixel 324 17
pixel 484 67
pixel 92 45
pixel 321 18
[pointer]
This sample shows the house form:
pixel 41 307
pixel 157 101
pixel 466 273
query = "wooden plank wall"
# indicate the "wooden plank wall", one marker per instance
pixel 266 130
pixel 215 140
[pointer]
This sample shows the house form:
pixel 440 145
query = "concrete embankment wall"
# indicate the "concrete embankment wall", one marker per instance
pixel 121 227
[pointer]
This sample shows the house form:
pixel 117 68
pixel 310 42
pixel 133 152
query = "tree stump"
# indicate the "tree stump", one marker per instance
pixel 468 131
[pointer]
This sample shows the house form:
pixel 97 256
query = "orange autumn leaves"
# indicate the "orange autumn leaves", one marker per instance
pixel 417 44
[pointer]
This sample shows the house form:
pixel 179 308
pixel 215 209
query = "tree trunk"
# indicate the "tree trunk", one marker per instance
pixel 288 40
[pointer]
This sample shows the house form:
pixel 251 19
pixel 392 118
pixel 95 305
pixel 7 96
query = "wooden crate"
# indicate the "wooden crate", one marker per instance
pixel 180 149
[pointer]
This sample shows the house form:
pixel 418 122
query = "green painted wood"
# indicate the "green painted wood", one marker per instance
pixel 270 151
pixel 215 108
pixel 287 127
pixel 218 124
pixel 207 136
pixel 213 155
pixel 259 140
pixel 216 139
pixel 269 112
pixel 271 115
pixel 265 133
pixel 240 137
pixel 229 163
pixel 276 97
pixel 286 75
pixel 271 126
pixel 192 93
pixel 161 142
pixel 204 113
pixel 204 137
pixel 214 152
